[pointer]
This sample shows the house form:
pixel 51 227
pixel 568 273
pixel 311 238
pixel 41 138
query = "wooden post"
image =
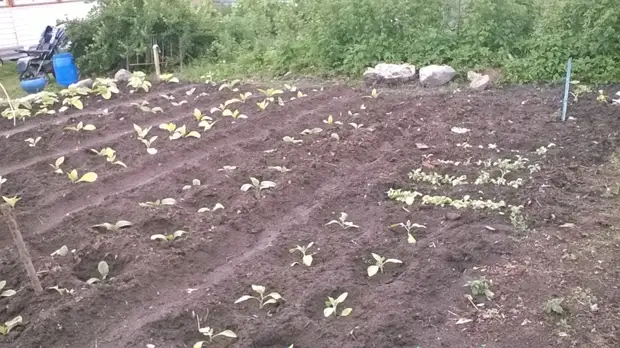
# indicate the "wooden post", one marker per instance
pixel 7 212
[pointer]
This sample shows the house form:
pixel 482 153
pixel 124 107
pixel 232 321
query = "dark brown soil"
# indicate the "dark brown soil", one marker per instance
pixel 568 250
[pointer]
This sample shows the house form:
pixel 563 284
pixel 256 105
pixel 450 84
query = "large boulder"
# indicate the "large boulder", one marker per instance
pixel 122 75
pixel 389 73
pixel 436 75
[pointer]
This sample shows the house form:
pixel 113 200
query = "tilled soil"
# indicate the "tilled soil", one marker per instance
pixel 567 249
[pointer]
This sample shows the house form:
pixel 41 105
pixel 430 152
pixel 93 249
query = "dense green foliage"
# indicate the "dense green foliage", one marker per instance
pixel 529 39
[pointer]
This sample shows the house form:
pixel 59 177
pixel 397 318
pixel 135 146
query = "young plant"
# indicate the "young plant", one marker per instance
pixel 159 202
pixel 168 78
pixel 263 105
pixel 234 114
pixel 33 142
pixel 281 169
pixel 312 131
pixel 190 91
pixel 280 101
pixel 45 111
pixel 141 133
pixel 342 222
pixel 149 143
pixel 2 181
pixel 182 132
pixel 480 286
pixel 270 93
pixel 215 208
pixel 290 88
pixel 330 120
pixel 6 293
pixel 257 185
pixel 262 299
pixel 230 85
pixel 169 127
pixel 167 97
pixel 292 140
pixel 195 182
pixel 74 101
pixel 81 127
pixel 11 201
pixel 103 269
pixel 380 261
pixel 119 225
pixel 409 227
pixel 47 99
pixel 332 306
pixel 106 91
pixel 143 106
pixel 88 177
pixel 199 116
pixel 579 90
pixel 179 103
pixel 138 81
pixel 356 126
pixel 75 91
pixel 210 333
pixel 207 124
pixel 373 94
pixel 223 107
pixel 602 97
pixel 9 325
pixel 168 237
pixel 306 258
pixel 244 96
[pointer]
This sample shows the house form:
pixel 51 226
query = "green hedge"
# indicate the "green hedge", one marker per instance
pixel 529 39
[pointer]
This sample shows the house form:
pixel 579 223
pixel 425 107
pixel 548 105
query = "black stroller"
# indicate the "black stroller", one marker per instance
pixel 38 62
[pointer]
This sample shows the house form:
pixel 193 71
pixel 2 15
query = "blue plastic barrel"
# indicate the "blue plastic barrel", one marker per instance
pixel 65 69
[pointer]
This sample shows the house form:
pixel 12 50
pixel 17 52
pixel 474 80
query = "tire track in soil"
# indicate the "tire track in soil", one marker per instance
pixel 64 118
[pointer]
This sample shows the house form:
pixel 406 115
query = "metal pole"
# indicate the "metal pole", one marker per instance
pixel 566 88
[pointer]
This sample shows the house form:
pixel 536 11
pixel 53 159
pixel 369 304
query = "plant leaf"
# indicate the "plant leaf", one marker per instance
pixel 217 206
pixel 267 184
pixel 92 281
pixel 8 293
pixel 372 270
pixel 103 269
pixel 411 239
pixel 345 312
pixel 393 261
pixel 193 134
pixel 307 260
pixel 89 127
pixel 63 251
pixel 106 225
pixel 123 224
pixel 270 301
pixel 159 237
pixel 88 177
pixel 377 257
pixel 274 295
pixel 151 151
pixel 342 297
pixel 203 210
pixel 178 234
pixel 168 201
pixel 60 160
pixel 227 333
pixel 198 344
pixel 328 311
pixel 243 298
pixel 258 288
pixel 246 187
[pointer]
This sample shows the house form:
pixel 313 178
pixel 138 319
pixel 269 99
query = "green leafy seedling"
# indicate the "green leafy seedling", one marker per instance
pixel 199 116
pixel 257 185
pixel 342 222
pixel 104 271
pixel 11 201
pixel 119 225
pixel 195 182
pixel 215 208
pixel 210 333
pixel 75 91
pixel 110 155
pixel 230 85
pixel 379 263
pixel 263 105
pixel 480 286
pixel 301 95
pixel 244 96
pixel 33 142
pixel 207 124
pixel 59 161
pixel 179 103
pixel 47 99
pixel 270 93
pixel 88 177
pixel 74 101
pixel 7 292
pixel 159 202
pixel 281 169
pixel 409 227
pixel 292 140
pixel 141 133
pixel 81 127
pixel 234 114
pixel 168 237
pixel 9 325
pixel 332 306
pixel 356 125
pixel 138 81
pixel 373 94
pixel 312 131
pixel 168 78
pixel 62 251
pixel 306 257
pixel 182 132
pixel 2 180
pixel 290 88
pixel 148 143
pixel 262 299
pixel 143 106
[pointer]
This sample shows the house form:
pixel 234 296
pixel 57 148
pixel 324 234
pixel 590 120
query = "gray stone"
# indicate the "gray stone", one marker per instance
pixel 87 83
pixel 436 75
pixel 481 83
pixel 472 75
pixel 389 73
pixel 122 75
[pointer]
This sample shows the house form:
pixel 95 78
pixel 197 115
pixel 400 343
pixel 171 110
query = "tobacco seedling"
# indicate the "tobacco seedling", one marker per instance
pixel 159 202
pixel 480 286
pixel 169 237
pixel 110 156
pixel 292 140
pixel 281 169
pixel 119 225
pixel 199 116
pixel 104 270
pixel 2 181
pixel 602 97
pixel 223 107
pixel 138 81
pixel 75 91
pixel 88 177
pixel 373 94
pixel 332 305
pixel 270 93
pixel 45 111
pixel 61 291
pixel 63 251
pixel 234 114
pixel 356 126
pixel 195 182
pixel 263 105
pixel 11 201
pixel 81 127
pixel 33 142
pixel 330 120
pixel 230 85
pixel 306 258
pixel 105 91
pixel 73 101
pixel 182 102
pixel 380 261
pixel 342 222
pixel 6 293
pixel 409 227
pixel 182 132
pixel 168 78
pixel 47 99
pixel 210 333
pixel 579 90
pixel 167 97
pixel 141 133
pixel 315 130
pixel 262 299
pixel 280 101
pixel 148 144
pixel 301 95
pixel 258 185
pixel 244 96
pixel 170 127
pixel 215 208
pixel 206 124
pixel 290 88
pixel 143 106
pixel 9 325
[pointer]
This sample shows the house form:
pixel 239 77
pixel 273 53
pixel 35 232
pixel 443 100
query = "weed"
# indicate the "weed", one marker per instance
pixel 480 286
pixel 554 306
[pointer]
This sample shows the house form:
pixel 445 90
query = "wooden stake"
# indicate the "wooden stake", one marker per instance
pixel 7 212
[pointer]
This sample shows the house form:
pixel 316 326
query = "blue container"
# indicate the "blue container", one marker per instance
pixel 65 69
pixel 35 85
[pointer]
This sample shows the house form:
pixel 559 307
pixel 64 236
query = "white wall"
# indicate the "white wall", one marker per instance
pixel 28 22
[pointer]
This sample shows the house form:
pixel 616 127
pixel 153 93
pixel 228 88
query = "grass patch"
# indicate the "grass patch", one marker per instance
pixel 10 79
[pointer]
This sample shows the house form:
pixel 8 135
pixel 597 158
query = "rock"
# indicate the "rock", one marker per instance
pixel 389 73
pixel 436 75
pixel 122 75
pixel 481 83
pixel 472 75
pixel 87 83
